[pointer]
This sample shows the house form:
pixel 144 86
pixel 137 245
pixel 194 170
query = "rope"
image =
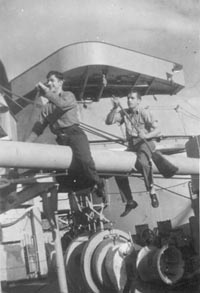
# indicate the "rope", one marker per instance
pixel 187 113
pixel 102 135
pixel 21 97
pixel 17 220
pixel 102 131
pixel 167 188
pixel 173 192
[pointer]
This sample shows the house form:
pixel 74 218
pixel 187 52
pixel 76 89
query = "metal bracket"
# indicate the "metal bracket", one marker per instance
pixel 14 199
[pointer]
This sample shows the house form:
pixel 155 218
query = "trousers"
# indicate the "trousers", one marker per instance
pixel 82 167
pixel 143 162
pixel 143 165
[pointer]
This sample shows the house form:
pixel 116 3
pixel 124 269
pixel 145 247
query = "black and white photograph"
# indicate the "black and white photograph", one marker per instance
pixel 99 146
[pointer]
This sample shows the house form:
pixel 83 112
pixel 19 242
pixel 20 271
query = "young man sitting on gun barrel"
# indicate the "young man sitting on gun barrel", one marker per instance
pixel 61 114
pixel 141 128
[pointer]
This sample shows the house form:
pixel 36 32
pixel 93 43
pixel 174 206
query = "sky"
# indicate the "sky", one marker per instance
pixel 32 30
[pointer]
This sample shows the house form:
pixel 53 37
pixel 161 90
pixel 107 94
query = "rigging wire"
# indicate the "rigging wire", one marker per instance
pixel 21 97
pixel 95 133
pixel 98 132
pixel 173 192
pixel 6 91
pixel 164 108
pixel 168 188
pixel 101 135
pixel 32 102
pixel 190 105
pixel 185 112
pixel 190 115
pixel 103 131
pixel 7 96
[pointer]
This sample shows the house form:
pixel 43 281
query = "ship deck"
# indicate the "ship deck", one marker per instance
pixel 50 285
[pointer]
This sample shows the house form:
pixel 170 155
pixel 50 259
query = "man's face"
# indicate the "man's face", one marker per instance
pixel 54 84
pixel 132 100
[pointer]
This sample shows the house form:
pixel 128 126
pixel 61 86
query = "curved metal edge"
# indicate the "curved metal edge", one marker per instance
pixel 90 247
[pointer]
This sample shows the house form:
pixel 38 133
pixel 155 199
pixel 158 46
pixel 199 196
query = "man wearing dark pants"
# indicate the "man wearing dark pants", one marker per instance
pixel 141 128
pixel 61 114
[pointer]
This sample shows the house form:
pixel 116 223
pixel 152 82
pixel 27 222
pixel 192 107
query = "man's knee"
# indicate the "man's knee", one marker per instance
pixel 87 161
pixel 121 181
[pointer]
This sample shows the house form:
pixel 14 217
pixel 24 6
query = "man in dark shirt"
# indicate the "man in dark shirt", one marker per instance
pixel 61 114
pixel 140 125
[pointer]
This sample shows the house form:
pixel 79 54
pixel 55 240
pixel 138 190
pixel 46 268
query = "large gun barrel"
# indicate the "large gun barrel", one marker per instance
pixel 46 156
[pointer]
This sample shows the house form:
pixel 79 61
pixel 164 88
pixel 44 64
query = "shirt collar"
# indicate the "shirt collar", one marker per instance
pixel 135 111
pixel 60 94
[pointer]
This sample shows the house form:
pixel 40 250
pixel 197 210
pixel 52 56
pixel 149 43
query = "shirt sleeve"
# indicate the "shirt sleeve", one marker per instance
pixel 42 122
pixel 65 102
pixel 149 119
pixel 114 117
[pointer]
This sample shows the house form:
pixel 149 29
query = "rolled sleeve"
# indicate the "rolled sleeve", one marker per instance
pixel 114 117
pixel 149 119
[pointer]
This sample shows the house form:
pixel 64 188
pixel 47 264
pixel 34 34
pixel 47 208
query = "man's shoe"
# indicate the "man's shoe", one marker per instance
pixel 129 206
pixel 99 189
pixel 154 200
pixel 105 201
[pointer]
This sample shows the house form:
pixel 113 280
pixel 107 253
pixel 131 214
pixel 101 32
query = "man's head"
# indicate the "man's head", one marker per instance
pixel 133 98
pixel 55 81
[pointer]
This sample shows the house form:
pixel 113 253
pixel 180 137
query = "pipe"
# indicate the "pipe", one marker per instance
pixel 59 259
pixel 1 240
pixel 46 156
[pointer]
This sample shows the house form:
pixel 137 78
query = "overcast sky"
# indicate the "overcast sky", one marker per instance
pixel 32 30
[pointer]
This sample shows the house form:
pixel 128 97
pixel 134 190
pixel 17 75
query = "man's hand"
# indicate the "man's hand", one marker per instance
pixel 42 87
pixel 142 134
pixel 115 101
pixel 32 137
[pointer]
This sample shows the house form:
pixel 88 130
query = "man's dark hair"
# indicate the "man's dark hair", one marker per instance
pixel 134 90
pixel 57 74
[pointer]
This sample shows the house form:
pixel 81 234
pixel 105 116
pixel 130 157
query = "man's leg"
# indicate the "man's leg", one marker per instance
pixel 125 191
pixel 144 165
pixel 67 181
pixel 82 155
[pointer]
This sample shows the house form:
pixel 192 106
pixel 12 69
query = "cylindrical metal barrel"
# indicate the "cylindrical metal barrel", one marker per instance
pixel 165 264
pixel 46 156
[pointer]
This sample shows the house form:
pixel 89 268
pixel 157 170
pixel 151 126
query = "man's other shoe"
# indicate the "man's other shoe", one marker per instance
pixel 129 206
pixel 154 200
pixel 99 189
